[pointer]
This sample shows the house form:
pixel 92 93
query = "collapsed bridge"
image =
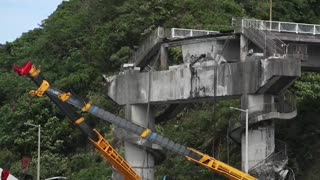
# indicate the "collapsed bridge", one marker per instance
pixel 256 63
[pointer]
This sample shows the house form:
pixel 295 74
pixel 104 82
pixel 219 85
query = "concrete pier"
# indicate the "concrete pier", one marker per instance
pixel 139 158
pixel 164 58
pixel 261 137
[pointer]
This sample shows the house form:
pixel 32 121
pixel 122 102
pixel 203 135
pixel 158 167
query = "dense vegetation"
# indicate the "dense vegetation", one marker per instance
pixel 84 39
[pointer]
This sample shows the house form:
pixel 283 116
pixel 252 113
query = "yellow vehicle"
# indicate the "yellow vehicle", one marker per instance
pixel 101 144
pixel 144 133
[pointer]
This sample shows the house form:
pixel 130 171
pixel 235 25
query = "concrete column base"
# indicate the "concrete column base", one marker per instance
pixel 261 138
pixel 137 157
pixel 261 144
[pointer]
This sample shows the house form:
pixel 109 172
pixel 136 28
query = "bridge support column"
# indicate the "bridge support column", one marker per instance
pixel 261 134
pixel 164 58
pixel 138 158
pixel 243 47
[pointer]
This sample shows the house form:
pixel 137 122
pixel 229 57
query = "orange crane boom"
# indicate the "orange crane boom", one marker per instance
pixel 100 143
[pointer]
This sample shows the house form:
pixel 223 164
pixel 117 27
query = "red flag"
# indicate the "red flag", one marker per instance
pixel 25 163
pixel 5 174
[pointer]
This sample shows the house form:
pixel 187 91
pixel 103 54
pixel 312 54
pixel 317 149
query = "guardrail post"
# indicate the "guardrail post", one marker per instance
pixel 242 25
pixel 297 28
pixel 279 26
pixel 161 32
pixel 172 32
pixel 314 29
pixel 191 33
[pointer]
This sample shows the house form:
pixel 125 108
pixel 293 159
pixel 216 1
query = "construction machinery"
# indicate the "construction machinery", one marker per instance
pixel 63 100
pixel 100 143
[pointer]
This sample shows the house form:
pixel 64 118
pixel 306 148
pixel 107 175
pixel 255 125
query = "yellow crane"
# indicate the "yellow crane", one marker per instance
pixel 144 133
pixel 100 143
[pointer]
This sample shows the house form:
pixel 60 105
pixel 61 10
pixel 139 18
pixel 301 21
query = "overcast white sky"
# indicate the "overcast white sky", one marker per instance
pixel 18 16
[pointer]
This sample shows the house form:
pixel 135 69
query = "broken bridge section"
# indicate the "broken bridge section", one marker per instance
pixel 190 83
pixel 217 66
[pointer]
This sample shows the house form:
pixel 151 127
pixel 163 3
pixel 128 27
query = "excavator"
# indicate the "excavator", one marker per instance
pixel 65 99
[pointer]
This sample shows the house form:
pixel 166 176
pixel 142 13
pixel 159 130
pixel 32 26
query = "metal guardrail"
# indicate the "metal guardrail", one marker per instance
pixel 298 28
pixel 183 33
pixel 159 34
pixel 287 27
pixel 258 33
pixel 298 51
pixel 270 167
pixel 286 105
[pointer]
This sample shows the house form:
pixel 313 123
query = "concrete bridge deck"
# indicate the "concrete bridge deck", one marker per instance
pixel 299 38
pixel 189 84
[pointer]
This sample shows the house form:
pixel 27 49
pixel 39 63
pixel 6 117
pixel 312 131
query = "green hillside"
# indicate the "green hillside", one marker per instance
pixel 84 39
